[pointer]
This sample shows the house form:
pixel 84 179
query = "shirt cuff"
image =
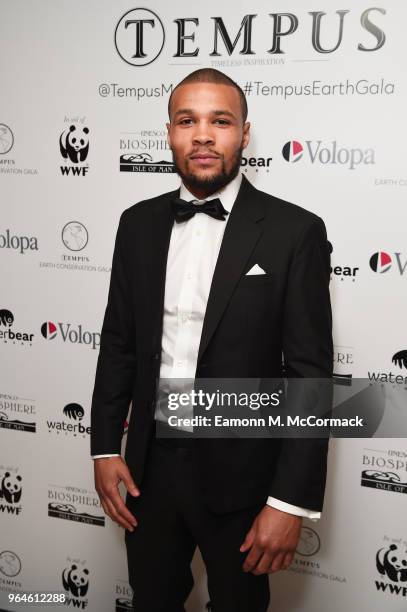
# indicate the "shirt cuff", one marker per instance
pixel 110 455
pixel 313 515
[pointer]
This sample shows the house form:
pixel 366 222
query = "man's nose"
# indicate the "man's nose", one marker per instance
pixel 203 134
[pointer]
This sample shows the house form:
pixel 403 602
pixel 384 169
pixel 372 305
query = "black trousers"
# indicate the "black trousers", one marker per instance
pixel 172 522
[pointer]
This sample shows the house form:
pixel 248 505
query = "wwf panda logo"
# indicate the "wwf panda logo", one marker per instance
pixel 74 143
pixel 6 317
pixel 392 562
pixel 10 488
pixel 76 580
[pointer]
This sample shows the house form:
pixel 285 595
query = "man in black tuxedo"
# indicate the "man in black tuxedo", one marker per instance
pixel 214 280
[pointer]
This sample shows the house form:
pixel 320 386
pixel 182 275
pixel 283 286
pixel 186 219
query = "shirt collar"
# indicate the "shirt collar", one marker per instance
pixel 227 194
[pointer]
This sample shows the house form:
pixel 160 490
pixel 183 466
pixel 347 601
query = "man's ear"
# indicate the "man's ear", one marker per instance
pixel 246 134
pixel 168 125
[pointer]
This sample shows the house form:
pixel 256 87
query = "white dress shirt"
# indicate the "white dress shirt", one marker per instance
pixel 192 255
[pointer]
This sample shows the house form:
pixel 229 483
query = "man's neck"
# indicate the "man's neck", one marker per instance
pixel 202 194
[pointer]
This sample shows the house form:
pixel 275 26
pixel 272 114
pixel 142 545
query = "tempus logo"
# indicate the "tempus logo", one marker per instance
pixel 6 139
pixel 139 37
pixel 140 34
pixel 75 236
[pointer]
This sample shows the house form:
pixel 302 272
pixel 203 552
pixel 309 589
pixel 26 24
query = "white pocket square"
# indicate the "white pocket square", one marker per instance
pixel 255 270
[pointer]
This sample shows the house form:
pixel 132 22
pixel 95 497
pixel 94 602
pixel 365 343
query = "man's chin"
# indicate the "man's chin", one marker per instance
pixel 205 177
pixel 204 181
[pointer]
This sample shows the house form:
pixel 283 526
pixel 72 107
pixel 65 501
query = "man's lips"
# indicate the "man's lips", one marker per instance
pixel 204 156
pixel 204 159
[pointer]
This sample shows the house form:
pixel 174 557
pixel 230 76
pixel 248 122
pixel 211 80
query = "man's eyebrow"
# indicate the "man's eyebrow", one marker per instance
pixel 190 111
pixel 224 112
pixel 184 111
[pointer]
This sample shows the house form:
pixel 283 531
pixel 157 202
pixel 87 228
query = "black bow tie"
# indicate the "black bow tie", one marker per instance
pixel 184 210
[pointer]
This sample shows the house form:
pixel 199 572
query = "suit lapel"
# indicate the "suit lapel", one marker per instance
pixel 162 220
pixel 242 232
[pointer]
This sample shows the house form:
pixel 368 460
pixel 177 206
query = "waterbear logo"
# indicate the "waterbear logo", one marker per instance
pixel 400 359
pixel 256 163
pixel 327 154
pixel 73 412
pixel 69 333
pixel 7 334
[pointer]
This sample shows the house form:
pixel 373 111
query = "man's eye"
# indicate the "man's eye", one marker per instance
pixel 222 121
pixel 185 121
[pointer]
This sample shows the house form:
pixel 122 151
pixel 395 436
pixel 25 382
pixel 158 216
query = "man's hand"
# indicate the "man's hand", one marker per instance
pixel 109 471
pixel 272 540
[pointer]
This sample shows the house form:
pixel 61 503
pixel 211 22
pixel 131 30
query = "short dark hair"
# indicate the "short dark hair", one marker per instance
pixel 211 75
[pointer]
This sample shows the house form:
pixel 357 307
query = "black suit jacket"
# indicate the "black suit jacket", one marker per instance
pixel 252 323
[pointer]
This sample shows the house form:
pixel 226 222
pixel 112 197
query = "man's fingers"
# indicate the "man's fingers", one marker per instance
pixel 263 564
pixel 277 562
pixel 252 559
pixel 248 541
pixel 104 506
pixel 115 516
pixel 288 559
pixel 129 482
pixel 120 507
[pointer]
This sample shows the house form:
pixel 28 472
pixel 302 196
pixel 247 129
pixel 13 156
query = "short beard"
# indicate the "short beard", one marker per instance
pixel 212 183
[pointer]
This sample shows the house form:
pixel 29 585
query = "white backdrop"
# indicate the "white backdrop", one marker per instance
pixel 328 133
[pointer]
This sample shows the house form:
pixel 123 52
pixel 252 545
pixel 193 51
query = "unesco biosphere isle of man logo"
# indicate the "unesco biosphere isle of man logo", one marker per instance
pixel 292 151
pixel 139 37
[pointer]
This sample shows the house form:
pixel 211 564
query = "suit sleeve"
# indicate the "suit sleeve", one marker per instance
pixel 312 515
pixel 300 474
pixel 116 365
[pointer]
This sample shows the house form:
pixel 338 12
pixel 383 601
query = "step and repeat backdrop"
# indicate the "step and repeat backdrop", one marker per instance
pixel 83 108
